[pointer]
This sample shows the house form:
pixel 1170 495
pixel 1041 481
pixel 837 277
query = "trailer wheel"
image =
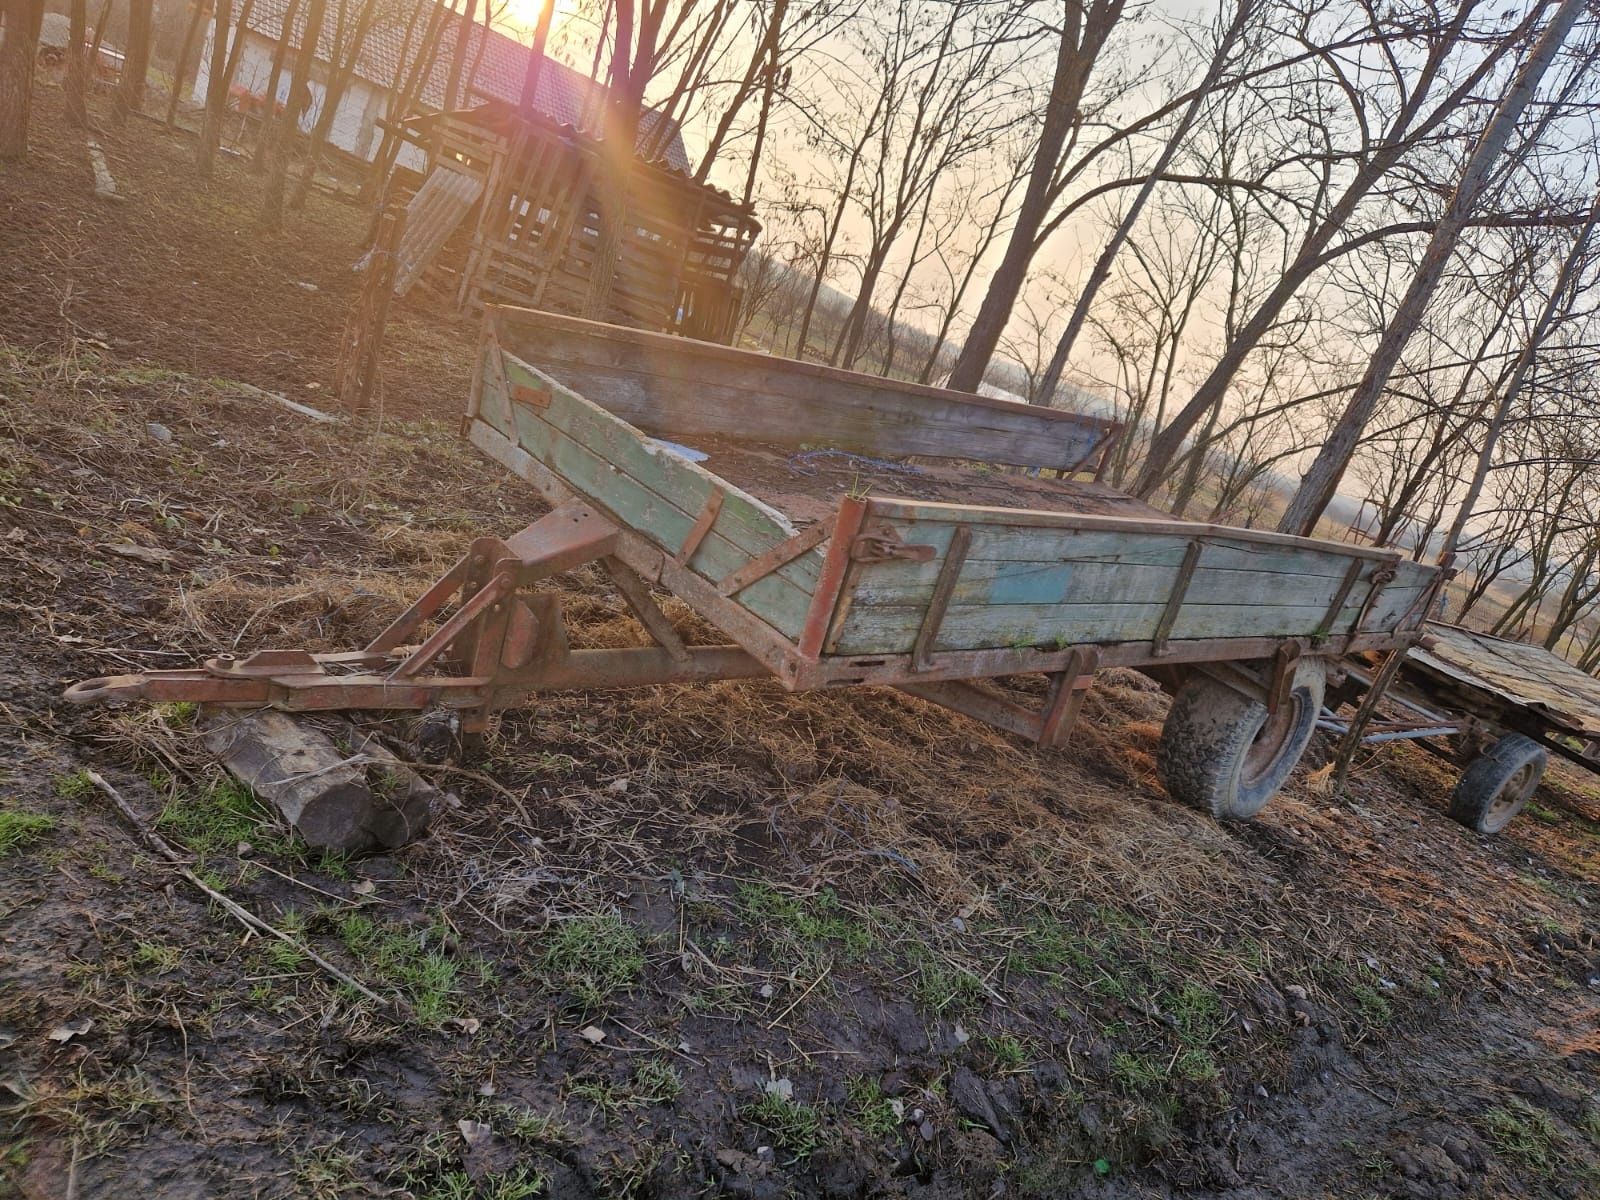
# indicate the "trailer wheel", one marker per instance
pixel 1221 753
pixel 1497 783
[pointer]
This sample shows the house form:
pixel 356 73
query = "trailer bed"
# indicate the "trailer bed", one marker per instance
pixel 860 582
pixel 807 484
pixel 1483 673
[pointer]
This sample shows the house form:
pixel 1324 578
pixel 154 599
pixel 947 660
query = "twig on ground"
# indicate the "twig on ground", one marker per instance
pixel 234 909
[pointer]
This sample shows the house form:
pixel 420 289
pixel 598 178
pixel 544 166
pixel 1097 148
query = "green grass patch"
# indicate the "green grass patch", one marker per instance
pixel 74 786
pixel 940 987
pixel 1523 1135
pixel 215 819
pixel 876 1114
pixel 527 1126
pixel 19 830
pixel 656 1081
pixel 592 959
pixel 811 921
pixel 794 1125
pixel 152 956
pixel 410 961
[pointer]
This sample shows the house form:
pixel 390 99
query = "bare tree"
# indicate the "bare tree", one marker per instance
pixel 1422 109
pixel 218 81
pixel 1317 488
pixel 287 127
pixel 77 35
pixel 136 63
pixel 345 54
pixel 19 47
pixel 1086 26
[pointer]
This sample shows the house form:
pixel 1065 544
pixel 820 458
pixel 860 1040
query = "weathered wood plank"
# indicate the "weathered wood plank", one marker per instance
pixel 775 599
pixel 676 387
pixel 1098 581
pixel 896 509
pixel 893 629
pixel 1133 543
pixel 742 521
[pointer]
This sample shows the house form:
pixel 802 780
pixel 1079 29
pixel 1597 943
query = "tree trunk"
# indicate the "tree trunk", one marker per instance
pixel 270 116
pixel 205 150
pixel 77 34
pixel 333 96
pixel 283 133
pixel 180 72
pixel 1102 267
pixel 130 95
pixel 529 99
pixel 19 49
pixel 1081 39
pixel 1322 480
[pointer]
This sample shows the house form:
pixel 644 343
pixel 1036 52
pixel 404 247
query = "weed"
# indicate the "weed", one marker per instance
pixel 75 786
pixel 1372 1005
pixel 940 987
pixel 326 1173
pixel 1524 1134
pixel 179 714
pixel 1540 813
pixel 1008 1051
pixel 607 1097
pixel 796 1126
pixel 593 958
pixel 22 829
pixel 656 1081
pixel 411 961
pixel 283 956
pixel 155 957
pixel 1137 1072
pixel 807 922
pixel 878 1116
pixel 528 1126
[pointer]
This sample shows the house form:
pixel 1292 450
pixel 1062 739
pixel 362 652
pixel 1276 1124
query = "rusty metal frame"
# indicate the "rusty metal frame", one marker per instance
pixel 486 636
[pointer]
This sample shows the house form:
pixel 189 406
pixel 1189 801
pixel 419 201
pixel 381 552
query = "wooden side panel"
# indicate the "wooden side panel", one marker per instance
pixel 1072 581
pixel 648 489
pixel 679 388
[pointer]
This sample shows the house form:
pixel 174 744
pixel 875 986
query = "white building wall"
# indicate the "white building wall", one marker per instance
pixel 354 127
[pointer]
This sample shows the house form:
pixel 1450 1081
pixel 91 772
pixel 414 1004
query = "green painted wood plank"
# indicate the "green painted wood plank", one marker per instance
pixel 1030 544
pixel 776 600
pixel 893 629
pixel 1098 582
pixel 744 522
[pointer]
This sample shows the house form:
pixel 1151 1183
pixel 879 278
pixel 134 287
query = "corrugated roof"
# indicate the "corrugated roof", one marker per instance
pixel 495 65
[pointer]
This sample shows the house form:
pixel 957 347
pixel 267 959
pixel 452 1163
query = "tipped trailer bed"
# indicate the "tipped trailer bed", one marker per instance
pixel 841 530
pixel 1503 706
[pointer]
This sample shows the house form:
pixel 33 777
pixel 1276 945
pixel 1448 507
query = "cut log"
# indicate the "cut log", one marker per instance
pixel 362 799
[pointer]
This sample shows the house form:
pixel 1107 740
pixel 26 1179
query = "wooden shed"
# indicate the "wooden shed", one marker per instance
pixel 508 213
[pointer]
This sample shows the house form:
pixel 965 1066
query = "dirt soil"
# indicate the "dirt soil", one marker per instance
pixel 695 941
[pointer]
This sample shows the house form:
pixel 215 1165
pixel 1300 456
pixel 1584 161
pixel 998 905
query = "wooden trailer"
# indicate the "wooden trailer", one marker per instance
pixel 1499 707
pixel 845 530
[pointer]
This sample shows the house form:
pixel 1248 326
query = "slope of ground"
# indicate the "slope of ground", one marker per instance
pixel 842 945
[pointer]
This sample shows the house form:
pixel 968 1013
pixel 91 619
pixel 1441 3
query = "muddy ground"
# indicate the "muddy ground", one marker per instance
pixel 844 945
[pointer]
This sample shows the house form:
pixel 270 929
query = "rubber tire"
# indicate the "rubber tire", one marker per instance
pixel 1209 733
pixel 1473 803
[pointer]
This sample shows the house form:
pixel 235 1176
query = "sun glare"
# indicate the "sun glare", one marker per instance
pixel 522 15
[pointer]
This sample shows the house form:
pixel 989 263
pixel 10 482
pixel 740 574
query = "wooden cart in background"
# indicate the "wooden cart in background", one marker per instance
pixel 1502 707
pixel 879 570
